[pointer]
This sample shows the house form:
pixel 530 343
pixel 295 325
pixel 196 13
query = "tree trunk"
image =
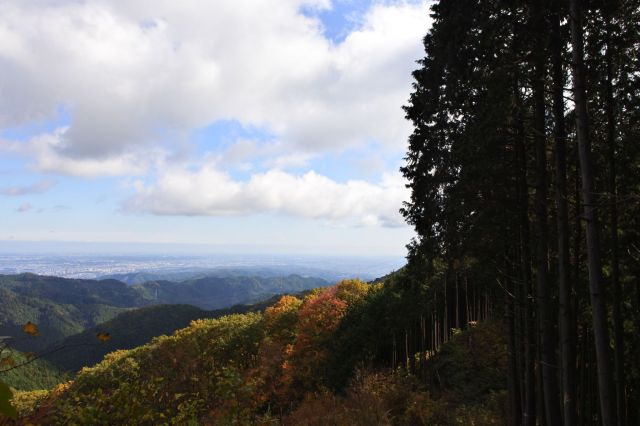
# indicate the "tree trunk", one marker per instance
pixel 446 310
pixel 466 297
pixel 543 299
pixel 598 306
pixel 406 350
pixel 528 331
pixel 615 264
pixel 566 325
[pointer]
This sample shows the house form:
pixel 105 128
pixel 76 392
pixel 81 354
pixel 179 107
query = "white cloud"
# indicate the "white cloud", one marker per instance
pixel 46 149
pixel 136 78
pixel 295 160
pixel 127 70
pixel 210 192
pixel 36 188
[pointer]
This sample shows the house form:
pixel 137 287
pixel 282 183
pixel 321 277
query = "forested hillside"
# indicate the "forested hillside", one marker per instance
pixel 28 375
pixel 129 330
pixel 125 331
pixel 338 356
pixel 60 307
pixel 63 307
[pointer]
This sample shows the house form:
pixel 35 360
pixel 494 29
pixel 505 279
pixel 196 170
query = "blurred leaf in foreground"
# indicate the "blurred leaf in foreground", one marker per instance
pixel 30 328
pixel 6 409
pixel 103 337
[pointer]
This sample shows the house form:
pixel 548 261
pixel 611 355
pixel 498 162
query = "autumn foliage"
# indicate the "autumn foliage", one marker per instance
pixel 257 368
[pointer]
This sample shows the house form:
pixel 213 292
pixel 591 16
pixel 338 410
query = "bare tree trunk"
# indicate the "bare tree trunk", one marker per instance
pixel 446 310
pixel 567 327
pixel 615 264
pixel 598 305
pixel 528 327
pixel 543 299
pixel 434 342
pixel 406 349
pixel 466 295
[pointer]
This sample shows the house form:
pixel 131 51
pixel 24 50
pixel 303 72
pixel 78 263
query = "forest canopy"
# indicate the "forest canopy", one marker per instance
pixel 524 167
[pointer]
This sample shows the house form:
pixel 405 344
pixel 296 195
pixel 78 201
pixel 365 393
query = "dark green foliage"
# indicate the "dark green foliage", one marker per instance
pixel 131 329
pixel 60 307
pixel 383 329
pixel 127 330
pixel 471 366
pixel 6 409
pixel 466 384
pixel 37 374
pixel 365 336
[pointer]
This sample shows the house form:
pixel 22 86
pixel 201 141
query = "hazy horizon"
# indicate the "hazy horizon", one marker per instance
pixel 189 249
pixel 100 261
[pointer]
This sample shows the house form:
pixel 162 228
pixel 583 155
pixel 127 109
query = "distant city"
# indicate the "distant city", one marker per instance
pixel 97 266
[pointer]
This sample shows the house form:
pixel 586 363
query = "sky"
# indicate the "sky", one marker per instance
pixel 268 123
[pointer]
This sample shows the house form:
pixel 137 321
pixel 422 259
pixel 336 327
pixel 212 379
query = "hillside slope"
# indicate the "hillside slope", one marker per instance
pixel 38 374
pixel 279 366
pixel 131 329
pixel 126 331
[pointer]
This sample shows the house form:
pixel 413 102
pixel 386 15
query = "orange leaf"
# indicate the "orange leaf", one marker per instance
pixel 103 337
pixel 30 328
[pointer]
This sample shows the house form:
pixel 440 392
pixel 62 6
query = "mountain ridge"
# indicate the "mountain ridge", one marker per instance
pixel 62 307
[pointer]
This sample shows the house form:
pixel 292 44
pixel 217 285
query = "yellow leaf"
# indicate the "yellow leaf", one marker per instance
pixel 30 328
pixel 103 337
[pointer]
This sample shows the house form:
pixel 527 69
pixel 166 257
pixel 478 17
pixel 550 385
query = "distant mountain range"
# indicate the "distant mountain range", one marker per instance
pixel 222 292
pixel 192 273
pixel 63 307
